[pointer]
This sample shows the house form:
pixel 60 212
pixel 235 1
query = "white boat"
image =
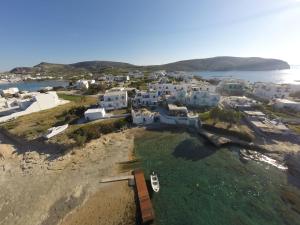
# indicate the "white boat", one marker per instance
pixel 154 182
pixel 55 130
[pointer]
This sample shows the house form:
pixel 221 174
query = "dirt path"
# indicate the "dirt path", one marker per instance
pixel 36 191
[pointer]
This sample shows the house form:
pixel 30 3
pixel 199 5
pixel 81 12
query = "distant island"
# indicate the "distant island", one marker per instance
pixel 222 63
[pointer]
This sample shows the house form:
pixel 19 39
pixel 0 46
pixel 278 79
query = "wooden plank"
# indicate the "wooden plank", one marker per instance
pixel 146 208
pixel 116 178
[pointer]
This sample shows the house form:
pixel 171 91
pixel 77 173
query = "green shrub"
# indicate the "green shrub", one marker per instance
pixel 241 135
pixel 95 130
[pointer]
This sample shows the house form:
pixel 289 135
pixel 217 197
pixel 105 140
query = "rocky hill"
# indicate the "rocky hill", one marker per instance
pixel 224 63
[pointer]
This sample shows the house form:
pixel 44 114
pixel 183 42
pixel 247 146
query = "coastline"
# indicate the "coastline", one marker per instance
pixel 64 188
pixel 78 197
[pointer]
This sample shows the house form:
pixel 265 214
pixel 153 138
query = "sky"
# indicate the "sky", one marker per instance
pixel 145 32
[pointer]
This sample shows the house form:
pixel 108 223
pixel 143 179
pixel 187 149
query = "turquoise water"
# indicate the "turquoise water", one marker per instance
pixel 276 76
pixel 34 85
pixel 203 185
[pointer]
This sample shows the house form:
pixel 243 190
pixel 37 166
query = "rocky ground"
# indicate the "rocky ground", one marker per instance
pixel 54 189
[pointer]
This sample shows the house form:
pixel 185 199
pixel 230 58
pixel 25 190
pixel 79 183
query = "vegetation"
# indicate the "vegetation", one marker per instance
pixel 226 115
pixel 242 134
pixel 226 122
pixel 139 84
pixel 83 69
pixel 295 95
pixel 96 88
pixel 33 125
pixel 95 130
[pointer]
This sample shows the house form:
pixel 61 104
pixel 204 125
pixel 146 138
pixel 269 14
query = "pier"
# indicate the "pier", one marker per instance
pixel 116 178
pixel 146 209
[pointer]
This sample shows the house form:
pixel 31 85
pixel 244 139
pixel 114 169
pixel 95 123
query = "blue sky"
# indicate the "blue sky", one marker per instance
pixel 146 31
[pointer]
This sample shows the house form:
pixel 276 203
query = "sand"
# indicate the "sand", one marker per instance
pixel 44 189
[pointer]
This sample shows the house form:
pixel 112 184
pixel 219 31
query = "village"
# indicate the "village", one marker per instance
pixel 173 98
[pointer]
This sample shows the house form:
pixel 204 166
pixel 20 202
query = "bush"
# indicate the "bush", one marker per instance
pixel 95 130
pixel 96 88
pixel 227 115
pixel 241 135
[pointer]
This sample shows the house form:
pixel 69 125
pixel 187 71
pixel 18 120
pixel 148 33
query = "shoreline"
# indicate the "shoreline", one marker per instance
pixel 82 200
pixel 61 189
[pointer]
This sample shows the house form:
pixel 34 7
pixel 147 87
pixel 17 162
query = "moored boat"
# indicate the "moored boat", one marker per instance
pixel 154 182
pixel 55 130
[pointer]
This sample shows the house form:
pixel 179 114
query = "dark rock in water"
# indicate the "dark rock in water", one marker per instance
pixel 190 150
pixel 292 199
pixel 293 164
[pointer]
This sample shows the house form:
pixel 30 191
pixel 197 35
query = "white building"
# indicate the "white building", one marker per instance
pixel 270 91
pixel 167 88
pixel 146 98
pixel 179 116
pixel 195 98
pixel 114 100
pixel 238 102
pixel 9 91
pixel 94 114
pixel 202 98
pixel 287 104
pixel 180 75
pixel 232 87
pixel 136 74
pixel 82 84
pixel 142 116
pixel 38 102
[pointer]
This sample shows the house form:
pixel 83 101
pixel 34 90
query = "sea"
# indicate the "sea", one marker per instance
pixel 203 185
pixel 291 76
pixel 34 85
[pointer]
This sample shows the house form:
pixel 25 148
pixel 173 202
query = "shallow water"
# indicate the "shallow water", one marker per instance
pixel 204 185
pixel 34 85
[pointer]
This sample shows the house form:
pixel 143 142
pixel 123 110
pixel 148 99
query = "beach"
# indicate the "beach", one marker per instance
pixel 38 188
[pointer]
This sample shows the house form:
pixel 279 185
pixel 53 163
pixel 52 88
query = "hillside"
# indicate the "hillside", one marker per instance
pixel 227 63
pixel 224 63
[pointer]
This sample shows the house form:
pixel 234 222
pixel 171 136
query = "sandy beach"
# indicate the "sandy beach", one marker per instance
pixel 52 189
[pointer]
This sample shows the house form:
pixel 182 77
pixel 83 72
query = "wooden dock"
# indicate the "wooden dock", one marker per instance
pixel 146 209
pixel 116 178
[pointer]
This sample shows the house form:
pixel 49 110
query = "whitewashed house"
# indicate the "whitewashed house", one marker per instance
pixel 167 88
pixel 38 102
pixel 9 91
pixel 94 114
pixel 136 74
pixel 145 98
pixel 286 104
pixel 195 97
pixel 270 91
pixel 82 84
pixel 232 87
pixel 202 98
pixel 116 99
pixel 238 102
pixel 142 116
pixel 178 115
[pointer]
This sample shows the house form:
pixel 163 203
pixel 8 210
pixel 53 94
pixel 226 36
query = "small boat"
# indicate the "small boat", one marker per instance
pixel 55 130
pixel 154 182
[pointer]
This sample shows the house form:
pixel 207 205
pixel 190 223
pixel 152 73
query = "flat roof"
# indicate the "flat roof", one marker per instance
pixel 254 113
pixel 175 107
pixel 286 101
pixel 94 110
pixel 111 93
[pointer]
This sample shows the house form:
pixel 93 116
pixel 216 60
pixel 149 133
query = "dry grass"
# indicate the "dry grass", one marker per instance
pixel 31 126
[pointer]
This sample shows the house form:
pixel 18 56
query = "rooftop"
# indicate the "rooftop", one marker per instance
pixel 286 101
pixel 95 110
pixel 173 107
pixel 254 113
